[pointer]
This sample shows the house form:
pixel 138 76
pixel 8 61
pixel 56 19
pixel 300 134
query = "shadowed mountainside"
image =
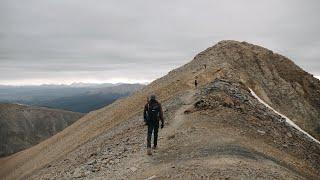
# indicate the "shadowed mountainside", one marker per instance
pixel 24 126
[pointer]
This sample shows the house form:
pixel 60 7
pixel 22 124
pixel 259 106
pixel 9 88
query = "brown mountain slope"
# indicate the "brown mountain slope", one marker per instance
pixel 218 133
pixel 24 126
pixel 281 83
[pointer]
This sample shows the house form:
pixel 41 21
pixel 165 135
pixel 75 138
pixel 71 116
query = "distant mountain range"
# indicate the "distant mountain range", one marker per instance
pixel 77 97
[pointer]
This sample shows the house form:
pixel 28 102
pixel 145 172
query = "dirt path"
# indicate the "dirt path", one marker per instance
pixel 170 130
pixel 153 163
pixel 143 161
pixel 135 163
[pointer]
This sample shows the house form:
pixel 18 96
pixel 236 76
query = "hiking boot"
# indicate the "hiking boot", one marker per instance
pixel 149 152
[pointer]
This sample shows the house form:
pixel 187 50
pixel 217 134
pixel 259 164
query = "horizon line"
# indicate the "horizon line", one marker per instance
pixel 93 82
pixel 74 83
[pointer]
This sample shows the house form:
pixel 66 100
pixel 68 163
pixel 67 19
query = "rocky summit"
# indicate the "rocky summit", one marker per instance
pixel 254 115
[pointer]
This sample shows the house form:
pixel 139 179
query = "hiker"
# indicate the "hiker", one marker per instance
pixel 205 66
pixel 196 83
pixel 154 113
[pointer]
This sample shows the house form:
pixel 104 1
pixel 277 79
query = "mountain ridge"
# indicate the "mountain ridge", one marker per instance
pixel 228 109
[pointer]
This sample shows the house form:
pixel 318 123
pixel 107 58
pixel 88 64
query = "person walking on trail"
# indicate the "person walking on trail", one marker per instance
pixel 153 114
pixel 196 83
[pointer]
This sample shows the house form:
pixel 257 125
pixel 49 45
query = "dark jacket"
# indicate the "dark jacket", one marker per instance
pixel 146 109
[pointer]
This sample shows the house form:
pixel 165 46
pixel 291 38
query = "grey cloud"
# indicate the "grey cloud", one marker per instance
pixel 144 39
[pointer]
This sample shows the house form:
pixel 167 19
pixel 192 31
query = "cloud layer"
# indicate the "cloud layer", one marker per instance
pixel 62 41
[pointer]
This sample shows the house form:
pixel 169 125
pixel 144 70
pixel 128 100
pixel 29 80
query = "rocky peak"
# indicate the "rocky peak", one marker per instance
pixel 275 78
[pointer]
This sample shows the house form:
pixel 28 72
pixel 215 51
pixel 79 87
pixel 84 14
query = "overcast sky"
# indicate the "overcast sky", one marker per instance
pixel 63 41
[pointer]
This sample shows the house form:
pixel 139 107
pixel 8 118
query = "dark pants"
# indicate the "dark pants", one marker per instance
pixel 152 127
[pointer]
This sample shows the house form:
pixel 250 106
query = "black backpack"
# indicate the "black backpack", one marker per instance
pixel 153 111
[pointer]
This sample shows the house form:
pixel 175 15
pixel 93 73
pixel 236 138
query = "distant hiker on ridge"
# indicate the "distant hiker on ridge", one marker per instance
pixel 196 83
pixel 153 113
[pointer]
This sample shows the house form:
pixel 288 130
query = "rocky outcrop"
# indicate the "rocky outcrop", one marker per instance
pixel 222 94
pixel 24 126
